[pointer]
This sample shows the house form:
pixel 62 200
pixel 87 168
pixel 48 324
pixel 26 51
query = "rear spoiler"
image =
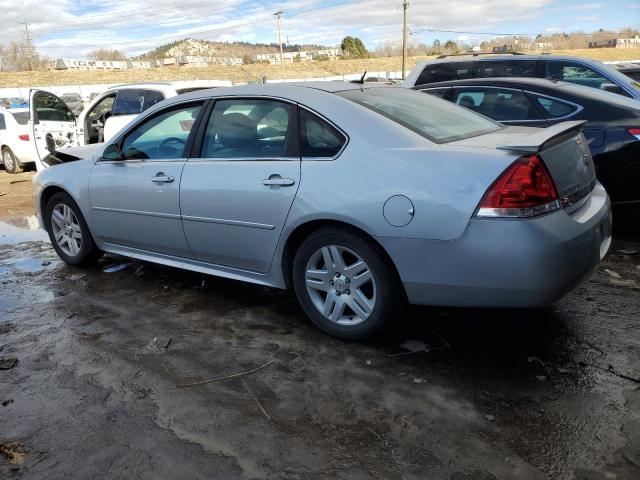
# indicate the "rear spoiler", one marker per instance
pixel 534 142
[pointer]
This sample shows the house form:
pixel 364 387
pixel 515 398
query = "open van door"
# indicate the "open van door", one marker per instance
pixel 53 124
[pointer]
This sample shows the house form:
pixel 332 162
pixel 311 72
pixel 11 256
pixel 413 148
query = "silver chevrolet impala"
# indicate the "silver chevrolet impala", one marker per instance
pixel 356 198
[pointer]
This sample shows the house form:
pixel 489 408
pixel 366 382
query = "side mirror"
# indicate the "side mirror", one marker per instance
pixel 611 87
pixel 112 152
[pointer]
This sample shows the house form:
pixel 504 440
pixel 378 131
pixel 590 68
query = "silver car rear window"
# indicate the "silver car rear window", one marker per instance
pixel 435 119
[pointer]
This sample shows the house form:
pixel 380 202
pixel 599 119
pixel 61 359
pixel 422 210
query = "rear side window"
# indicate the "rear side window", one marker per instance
pixel 135 101
pixel 445 71
pixel 21 118
pixel 508 68
pixel 553 108
pixel 241 129
pixel 499 104
pixel 318 138
pixel 3 125
pixel 435 119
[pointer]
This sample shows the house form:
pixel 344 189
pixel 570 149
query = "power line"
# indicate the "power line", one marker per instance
pixel 503 34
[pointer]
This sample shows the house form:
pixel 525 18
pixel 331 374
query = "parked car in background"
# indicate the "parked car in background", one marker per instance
pixel 612 125
pixel 581 71
pixel 631 70
pixel 74 102
pixel 18 103
pixel 355 196
pixel 16 145
pixel 55 126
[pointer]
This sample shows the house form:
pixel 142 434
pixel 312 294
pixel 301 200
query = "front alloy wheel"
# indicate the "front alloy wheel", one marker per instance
pixel 66 229
pixel 345 283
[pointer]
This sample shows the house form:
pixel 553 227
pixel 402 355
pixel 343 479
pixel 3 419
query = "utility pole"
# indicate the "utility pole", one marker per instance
pixel 278 15
pixel 28 39
pixel 405 6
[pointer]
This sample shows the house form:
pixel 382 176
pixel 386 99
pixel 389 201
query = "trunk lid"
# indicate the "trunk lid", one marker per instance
pixel 563 149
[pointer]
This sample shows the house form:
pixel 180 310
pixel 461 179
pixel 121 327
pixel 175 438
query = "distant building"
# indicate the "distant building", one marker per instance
pixel 476 48
pixel 616 43
pixel 302 56
pixel 504 49
pixel 544 46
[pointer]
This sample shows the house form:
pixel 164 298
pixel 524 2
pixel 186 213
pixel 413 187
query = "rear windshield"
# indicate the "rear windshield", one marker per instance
pixel 435 119
pixel 21 117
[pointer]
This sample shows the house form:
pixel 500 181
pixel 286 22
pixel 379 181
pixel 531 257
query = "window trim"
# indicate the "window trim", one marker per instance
pixel 3 122
pixel 325 119
pixel 198 143
pixel 579 107
pixel 188 149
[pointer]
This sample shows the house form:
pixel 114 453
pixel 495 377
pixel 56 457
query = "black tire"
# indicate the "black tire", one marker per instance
pixel 88 251
pixel 388 298
pixel 11 163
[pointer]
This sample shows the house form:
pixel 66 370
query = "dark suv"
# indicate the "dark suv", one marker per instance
pixel 581 71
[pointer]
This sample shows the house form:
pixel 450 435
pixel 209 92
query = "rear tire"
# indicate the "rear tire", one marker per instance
pixel 68 231
pixel 345 284
pixel 11 163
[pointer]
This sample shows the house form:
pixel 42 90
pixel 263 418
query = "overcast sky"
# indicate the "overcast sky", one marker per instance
pixel 71 28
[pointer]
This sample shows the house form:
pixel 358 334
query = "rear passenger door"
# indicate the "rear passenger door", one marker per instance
pixel 505 105
pixel 236 193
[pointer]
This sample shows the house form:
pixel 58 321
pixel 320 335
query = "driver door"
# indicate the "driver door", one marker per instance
pixel 52 122
pixel 135 198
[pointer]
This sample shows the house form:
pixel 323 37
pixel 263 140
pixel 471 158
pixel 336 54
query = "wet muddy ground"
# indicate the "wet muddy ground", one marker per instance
pixel 98 389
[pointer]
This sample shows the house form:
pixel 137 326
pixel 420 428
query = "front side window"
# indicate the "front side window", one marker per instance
pixel 445 71
pixel 103 107
pixel 48 107
pixel 575 73
pixel 499 104
pixel 164 136
pixel 509 68
pixel 553 108
pixel 435 119
pixel 437 92
pixel 251 128
pixel 132 101
pixel 318 139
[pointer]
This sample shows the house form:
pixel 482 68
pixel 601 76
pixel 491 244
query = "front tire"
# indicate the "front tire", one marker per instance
pixel 68 231
pixel 11 163
pixel 345 284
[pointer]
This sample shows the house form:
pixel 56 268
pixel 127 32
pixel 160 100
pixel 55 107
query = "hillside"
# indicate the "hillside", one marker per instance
pixel 205 48
pixel 249 73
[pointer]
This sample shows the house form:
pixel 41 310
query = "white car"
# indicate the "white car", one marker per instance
pixel 107 114
pixel 16 146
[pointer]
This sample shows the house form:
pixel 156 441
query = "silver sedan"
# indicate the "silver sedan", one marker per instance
pixel 356 198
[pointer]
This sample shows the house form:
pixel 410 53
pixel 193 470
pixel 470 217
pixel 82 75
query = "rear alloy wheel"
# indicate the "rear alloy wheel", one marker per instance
pixel 68 231
pixel 344 284
pixel 11 164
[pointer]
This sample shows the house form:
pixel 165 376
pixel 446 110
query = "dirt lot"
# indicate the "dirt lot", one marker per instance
pixel 248 73
pixel 102 360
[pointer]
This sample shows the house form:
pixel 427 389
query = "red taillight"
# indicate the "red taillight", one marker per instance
pixel 635 132
pixel 525 189
pixel 24 137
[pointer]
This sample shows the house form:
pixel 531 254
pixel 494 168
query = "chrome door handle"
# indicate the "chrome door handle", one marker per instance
pixel 278 181
pixel 162 178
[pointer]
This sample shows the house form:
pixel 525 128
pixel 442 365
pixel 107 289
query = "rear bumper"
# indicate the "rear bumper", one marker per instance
pixel 25 151
pixel 506 263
